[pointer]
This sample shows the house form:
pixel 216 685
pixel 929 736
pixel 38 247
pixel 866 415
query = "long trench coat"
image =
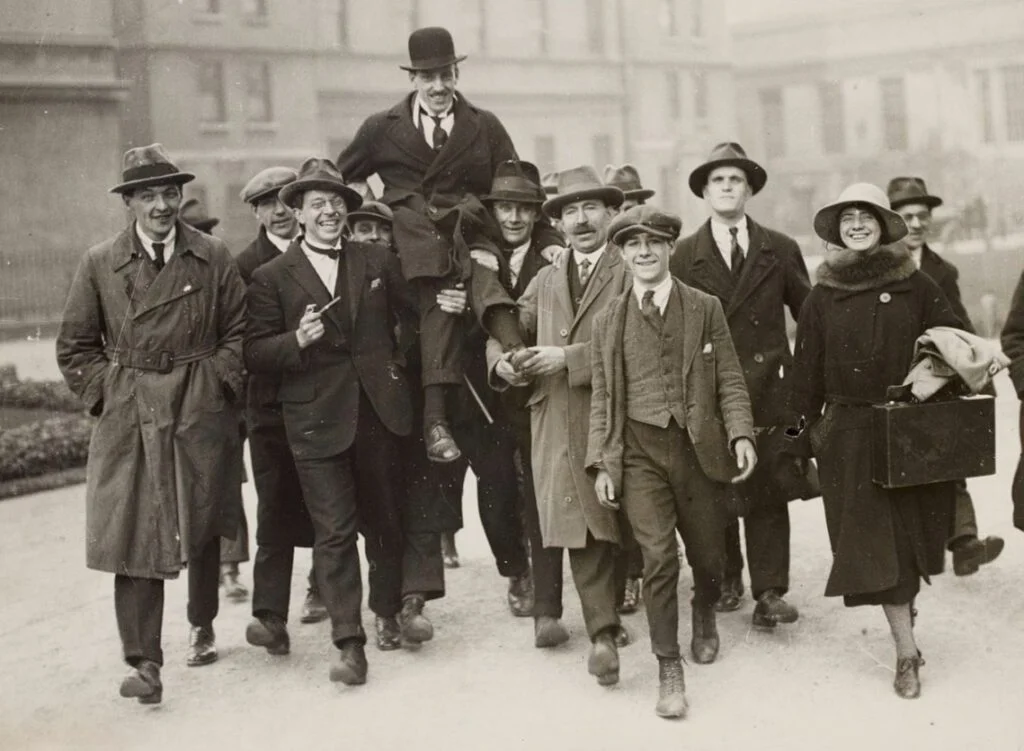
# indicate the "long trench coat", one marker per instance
pixel 560 404
pixel 157 357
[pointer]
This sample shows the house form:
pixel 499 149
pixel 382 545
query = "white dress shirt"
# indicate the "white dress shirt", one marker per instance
pixel 593 259
pixel 325 267
pixel 419 107
pixel 916 256
pixel 278 242
pixel 147 243
pixel 723 238
pixel 516 260
pixel 662 290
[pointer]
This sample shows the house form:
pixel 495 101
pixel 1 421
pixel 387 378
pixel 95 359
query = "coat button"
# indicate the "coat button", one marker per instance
pixel 885 297
pixel 568 500
pixel 563 333
pixel 759 358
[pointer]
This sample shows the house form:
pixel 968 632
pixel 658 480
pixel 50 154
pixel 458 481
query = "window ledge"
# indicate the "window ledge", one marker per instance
pixel 262 127
pixel 214 128
pixel 256 21
pixel 212 19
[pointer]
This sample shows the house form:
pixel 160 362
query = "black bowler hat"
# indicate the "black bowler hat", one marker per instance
pixel 904 190
pixel 431 48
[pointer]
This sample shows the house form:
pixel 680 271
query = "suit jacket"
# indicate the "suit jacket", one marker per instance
pixel 774 277
pixel 946 275
pixel 560 404
pixel 320 385
pixel 715 395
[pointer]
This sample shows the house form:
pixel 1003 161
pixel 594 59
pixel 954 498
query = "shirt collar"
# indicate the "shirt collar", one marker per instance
pixel 721 230
pixel 419 105
pixel 661 292
pixel 278 242
pixel 147 243
pixel 594 258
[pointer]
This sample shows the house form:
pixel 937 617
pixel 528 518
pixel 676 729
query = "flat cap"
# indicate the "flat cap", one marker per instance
pixel 645 218
pixel 267 183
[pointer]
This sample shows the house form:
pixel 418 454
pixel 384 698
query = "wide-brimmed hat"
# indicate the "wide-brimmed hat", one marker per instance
pixel 145 166
pixel 579 184
pixel 431 48
pixel 317 173
pixel 826 221
pixel 904 190
pixel 266 183
pixel 372 210
pixel 728 154
pixel 193 213
pixel 644 218
pixel 627 179
pixel 516 181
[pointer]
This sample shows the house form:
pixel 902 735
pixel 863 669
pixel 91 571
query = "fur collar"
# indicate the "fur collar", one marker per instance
pixel 855 271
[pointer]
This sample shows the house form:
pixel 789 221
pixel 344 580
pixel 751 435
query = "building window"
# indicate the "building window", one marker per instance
pixel 830 94
pixel 700 95
pixel 343 40
pixel 258 106
pixel 602 150
pixel 668 17
pixel 983 87
pixel 595 26
pixel 1013 92
pixel 697 18
pixel 212 101
pixel 544 153
pixel 255 11
pixel 773 122
pixel 894 114
pixel 675 104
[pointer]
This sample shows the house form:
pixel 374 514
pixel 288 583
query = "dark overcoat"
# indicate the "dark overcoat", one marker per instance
pixel 1013 345
pixel 853 341
pixel 157 356
pixel 946 275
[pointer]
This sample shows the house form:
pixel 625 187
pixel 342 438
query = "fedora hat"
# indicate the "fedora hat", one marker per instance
pixel 266 183
pixel 193 213
pixel 579 184
pixel 826 221
pixel 516 181
pixel 431 48
pixel 627 179
pixel 317 173
pixel 372 210
pixel 728 154
pixel 904 190
pixel 643 218
pixel 145 166
pixel 549 183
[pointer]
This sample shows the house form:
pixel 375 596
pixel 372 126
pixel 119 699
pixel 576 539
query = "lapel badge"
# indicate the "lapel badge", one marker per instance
pixel 187 288
pixel 375 284
pixel 707 348
pixel 885 297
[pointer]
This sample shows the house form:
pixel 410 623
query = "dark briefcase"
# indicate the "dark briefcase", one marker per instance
pixel 917 444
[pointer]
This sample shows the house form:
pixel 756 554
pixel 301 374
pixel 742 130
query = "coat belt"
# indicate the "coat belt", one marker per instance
pixel 159 361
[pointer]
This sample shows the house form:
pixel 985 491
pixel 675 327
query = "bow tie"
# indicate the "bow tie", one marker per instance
pixel 331 253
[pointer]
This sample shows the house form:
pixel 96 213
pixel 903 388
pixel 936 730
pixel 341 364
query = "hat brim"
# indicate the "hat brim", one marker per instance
pixel 624 233
pixel 612 197
pixel 513 196
pixel 641 194
pixel 175 178
pixel 360 214
pixel 826 222
pixel 756 176
pixel 930 201
pixel 293 190
pixel 266 193
pixel 442 62
pixel 204 225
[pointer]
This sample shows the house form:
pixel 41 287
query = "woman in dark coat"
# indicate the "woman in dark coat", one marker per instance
pixel 855 338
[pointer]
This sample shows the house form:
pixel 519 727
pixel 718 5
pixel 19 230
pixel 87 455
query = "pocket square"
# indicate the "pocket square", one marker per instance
pixel 707 349
pixel 375 284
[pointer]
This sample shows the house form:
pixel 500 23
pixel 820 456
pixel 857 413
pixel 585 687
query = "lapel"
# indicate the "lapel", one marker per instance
pixel 305 275
pixel 708 269
pixel 931 264
pixel 406 136
pixel 266 251
pixel 355 270
pixel 759 264
pixel 606 268
pixel 693 324
pixel 464 133
pixel 149 289
pixel 560 283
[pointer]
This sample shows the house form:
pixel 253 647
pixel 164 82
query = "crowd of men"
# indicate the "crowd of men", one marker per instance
pixel 610 384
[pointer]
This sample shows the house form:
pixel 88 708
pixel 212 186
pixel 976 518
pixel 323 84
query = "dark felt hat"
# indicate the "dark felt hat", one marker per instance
pixel 372 210
pixel 193 213
pixel 267 183
pixel 516 181
pixel 728 154
pixel 317 173
pixel 579 184
pixel 431 48
pixel 644 218
pixel 904 190
pixel 627 179
pixel 145 166
pixel 826 221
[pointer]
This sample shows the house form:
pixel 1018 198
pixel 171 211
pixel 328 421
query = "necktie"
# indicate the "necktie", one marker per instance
pixel 331 253
pixel 649 309
pixel 584 272
pixel 736 256
pixel 440 136
pixel 158 255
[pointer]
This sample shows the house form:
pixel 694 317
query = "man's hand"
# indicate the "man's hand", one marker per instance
pixel 311 328
pixel 485 258
pixel 540 361
pixel 605 489
pixel 504 370
pixel 746 459
pixel 452 301
pixel 555 255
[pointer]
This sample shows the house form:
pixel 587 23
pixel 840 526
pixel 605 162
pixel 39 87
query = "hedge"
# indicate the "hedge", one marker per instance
pixel 52 445
pixel 54 396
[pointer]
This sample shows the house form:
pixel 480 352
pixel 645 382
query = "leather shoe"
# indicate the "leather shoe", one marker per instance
pixel 732 595
pixel 448 552
pixel 772 610
pixel 973 553
pixel 603 662
pixel 630 596
pixel 520 595
pixel 270 632
pixel 389 634
pixel 672 702
pixel 549 632
pixel 441 446
pixel 233 589
pixel 907 682
pixel 313 609
pixel 143 683
pixel 415 628
pixel 622 636
pixel 202 650
pixel 704 642
pixel 348 665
